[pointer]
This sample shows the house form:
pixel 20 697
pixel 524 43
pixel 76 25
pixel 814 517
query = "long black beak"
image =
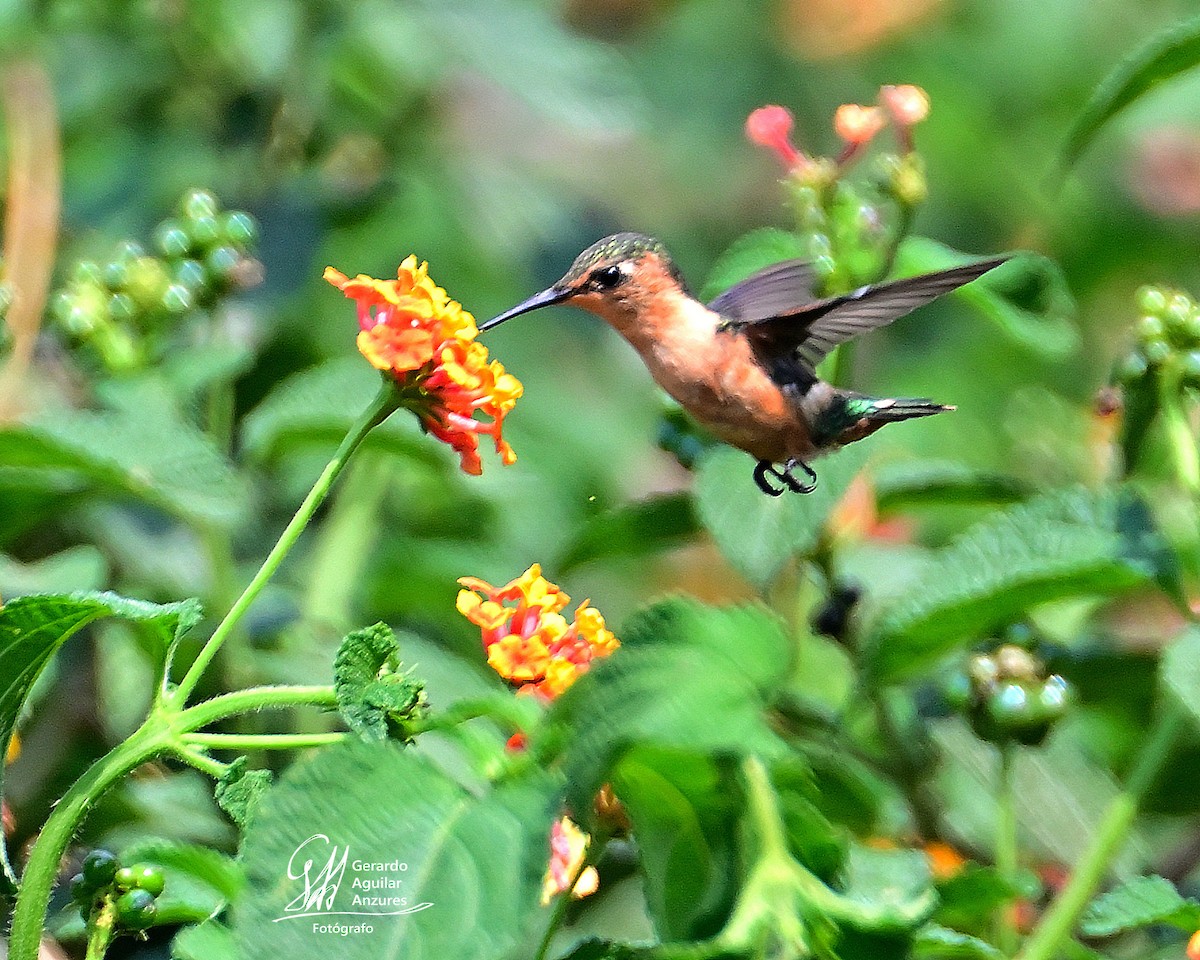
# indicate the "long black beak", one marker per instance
pixel 547 297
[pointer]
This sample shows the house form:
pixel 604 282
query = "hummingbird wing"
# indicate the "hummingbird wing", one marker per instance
pixel 770 292
pixel 812 330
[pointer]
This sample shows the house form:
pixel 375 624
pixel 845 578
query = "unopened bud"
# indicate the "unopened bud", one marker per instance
pixel 907 104
pixel 857 124
pixel 771 127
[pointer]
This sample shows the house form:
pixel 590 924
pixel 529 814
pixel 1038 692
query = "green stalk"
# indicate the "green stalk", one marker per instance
pixel 1059 921
pixel 1006 845
pixel 29 916
pixel 262 741
pixel 100 931
pixel 382 407
pixel 254 699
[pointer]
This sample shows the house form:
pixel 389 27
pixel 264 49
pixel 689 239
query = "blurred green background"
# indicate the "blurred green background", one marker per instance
pixel 497 138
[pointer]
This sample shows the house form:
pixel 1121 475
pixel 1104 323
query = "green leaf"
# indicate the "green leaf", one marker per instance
pixel 31 630
pixel 749 254
pixel 1066 544
pixel 140 447
pixel 682 808
pixel 1062 796
pixel 687 676
pixel 970 898
pixel 476 856
pixel 756 533
pixel 816 843
pixel 1166 55
pixel 373 696
pixel 198 881
pixel 933 942
pixel 240 791
pixel 633 530
pixel 76 568
pixel 1027 298
pixel 888 881
pixel 1140 902
pixel 210 940
pixel 1180 673
pixel 903 485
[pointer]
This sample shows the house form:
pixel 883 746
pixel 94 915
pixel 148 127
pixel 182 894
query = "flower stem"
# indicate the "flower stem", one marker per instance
pixel 262 741
pixel 382 407
pixel 252 699
pixel 100 932
pixel 29 915
pixel 1059 921
pixel 1006 845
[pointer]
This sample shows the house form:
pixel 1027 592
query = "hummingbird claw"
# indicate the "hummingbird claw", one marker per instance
pixel 761 469
pixel 764 469
pixel 795 485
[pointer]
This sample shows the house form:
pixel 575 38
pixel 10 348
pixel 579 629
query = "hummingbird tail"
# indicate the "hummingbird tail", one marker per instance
pixel 860 416
pixel 895 410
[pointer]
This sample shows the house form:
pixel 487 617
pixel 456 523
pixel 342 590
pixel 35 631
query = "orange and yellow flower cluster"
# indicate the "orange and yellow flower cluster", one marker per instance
pixel 410 328
pixel 528 640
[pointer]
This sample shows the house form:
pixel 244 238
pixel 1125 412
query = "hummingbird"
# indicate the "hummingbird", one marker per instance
pixel 744 365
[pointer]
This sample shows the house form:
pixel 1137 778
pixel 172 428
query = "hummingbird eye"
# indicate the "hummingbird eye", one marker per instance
pixel 605 278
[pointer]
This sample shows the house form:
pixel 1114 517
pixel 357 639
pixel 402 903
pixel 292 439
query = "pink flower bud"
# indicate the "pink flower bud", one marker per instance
pixel 906 103
pixel 857 124
pixel 771 127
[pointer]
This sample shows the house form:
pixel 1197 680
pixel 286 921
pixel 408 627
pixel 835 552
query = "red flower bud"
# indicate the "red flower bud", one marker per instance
pixel 771 127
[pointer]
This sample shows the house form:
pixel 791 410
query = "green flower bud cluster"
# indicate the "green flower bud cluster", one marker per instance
pixel 1007 696
pixel 1168 338
pixel 130 892
pixel 123 307
pixel 850 228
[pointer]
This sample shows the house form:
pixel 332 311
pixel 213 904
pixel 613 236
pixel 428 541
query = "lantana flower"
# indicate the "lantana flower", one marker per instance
pixel 411 330
pixel 904 105
pixel 771 127
pixel 568 845
pixel 527 639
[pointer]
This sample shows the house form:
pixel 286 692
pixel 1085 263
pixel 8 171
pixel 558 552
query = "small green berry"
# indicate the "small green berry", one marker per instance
pixel 148 877
pixel 239 229
pixel 172 239
pixel 1150 327
pixel 205 231
pixel 88 271
pixel 147 281
pixel 82 892
pixel 1133 367
pixel 136 909
pixel 177 299
pixel 1054 697
pixel 191 274
pixel 99 868
pixel 222 262
pixel 121 307
pixel 116 274
pixel 1189 364
pixel 129 250
pixel 198 203
pixel 1157 351
pixel 1151 300
pixel 125 879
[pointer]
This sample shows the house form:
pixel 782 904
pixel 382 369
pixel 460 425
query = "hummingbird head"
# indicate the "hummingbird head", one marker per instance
pixel 617 278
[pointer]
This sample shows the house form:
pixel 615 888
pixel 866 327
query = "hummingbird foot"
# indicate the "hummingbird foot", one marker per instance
pixel 764 469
